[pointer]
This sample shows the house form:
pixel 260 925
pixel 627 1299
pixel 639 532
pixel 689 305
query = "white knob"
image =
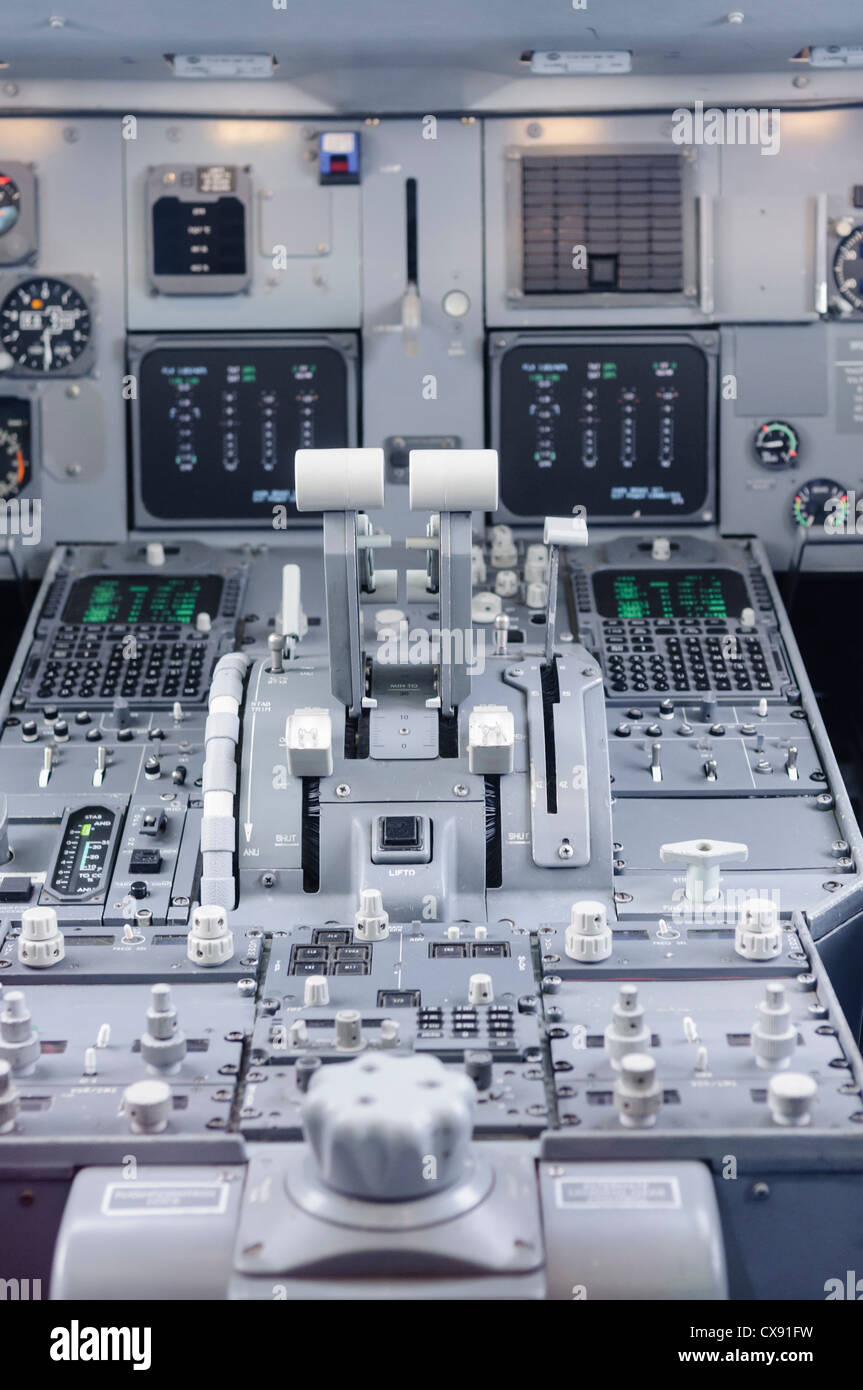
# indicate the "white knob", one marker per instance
pixel 148 1106
pixel 504 555
pixel 371 923
pixel 661 548
pixel 155 554
pixel 163 1043
pixel 774 1036
pixel 209 941
pixel 506 583
pixel 747 617
pixel 390 1032
pixel 588 936
pixel 637 1093
pixel 390 1128
pixel 537 594
pixel 388 621
pixel 349 1030
pixel 627 1032
pixel 41 942
pixel 758 934
pixel 10 1101
pixel 477 566
pixel 316 992
pixel 453 933
pixel 19 1039
pixel 536 563
pixel 480 989
pixel 484 607
pixel 790 1097
pixel 702 859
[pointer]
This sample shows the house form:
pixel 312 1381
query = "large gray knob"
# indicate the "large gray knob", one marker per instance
pixel 390 1128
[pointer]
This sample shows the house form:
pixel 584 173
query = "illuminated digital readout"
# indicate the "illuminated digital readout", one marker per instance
pixel 131 599
pixel 635 594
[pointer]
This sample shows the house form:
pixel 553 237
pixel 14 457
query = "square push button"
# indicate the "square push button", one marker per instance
pixel 401 840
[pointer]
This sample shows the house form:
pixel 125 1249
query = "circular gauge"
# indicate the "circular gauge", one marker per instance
pixel 44 324
pixel 10 203
pixel 821 502
pixel 848 268
pixel 14 446
pixel 776 444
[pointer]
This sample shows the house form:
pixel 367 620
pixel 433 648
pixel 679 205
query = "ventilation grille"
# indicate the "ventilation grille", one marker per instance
pixel 602 224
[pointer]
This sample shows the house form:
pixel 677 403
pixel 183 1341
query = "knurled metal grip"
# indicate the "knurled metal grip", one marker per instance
pixel 453 480
pixel 339 480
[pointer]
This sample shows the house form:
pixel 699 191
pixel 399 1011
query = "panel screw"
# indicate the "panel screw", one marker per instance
pixel 343 789
pixel 460 789
pixel 760 1191
pixel 565 850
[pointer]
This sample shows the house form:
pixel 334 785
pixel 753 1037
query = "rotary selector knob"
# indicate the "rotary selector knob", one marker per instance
pixel 163 1045
pixel 209 941
pixel 316 992
pixel 19 1039
pixel 637 1093
pixel 147 1105
pixel 10 1101
pixel 758 934
pixel 774 1035
pixel 506 583
pixel 390 1128
pixel 371 923
pixel 790 1097
pixel 41 941
pixel 588 936
pixel 627 1032
pixel 480 989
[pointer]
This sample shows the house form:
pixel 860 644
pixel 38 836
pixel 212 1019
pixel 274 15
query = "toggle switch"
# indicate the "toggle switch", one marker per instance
pixel 656 762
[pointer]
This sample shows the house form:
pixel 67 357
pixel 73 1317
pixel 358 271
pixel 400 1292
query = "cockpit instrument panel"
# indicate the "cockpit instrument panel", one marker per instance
pixel 17 213
pixel 619 425
pixel 199 229
pixel 218 419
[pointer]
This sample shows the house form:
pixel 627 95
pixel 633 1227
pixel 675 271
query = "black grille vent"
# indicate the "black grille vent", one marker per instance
pixel 624 210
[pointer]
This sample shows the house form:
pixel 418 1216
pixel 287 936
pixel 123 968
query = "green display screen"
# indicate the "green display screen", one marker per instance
pixel 130 599
pixel 703 593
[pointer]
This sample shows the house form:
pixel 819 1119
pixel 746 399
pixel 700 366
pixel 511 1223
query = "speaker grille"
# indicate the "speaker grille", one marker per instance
pixel 602 224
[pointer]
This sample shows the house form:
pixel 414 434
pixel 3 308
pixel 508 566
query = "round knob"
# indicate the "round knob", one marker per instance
pixel 209 941
pixel 480 989
pixel 537 594
pixel 390 1128
pixel 791 1097
pixel 148 1106
pixel 41 942
pixel 10 1101
pixel 588 936
pixel 349 1030
pixel 774 1036
pixel 316 991
pixel 637 1094
pixel 163 1045
pixel 388 621
pixel 19 1040
pixel 479 1067
pixel 627 1031
pixel 506 583
pixel 371 923
pixel 758 934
